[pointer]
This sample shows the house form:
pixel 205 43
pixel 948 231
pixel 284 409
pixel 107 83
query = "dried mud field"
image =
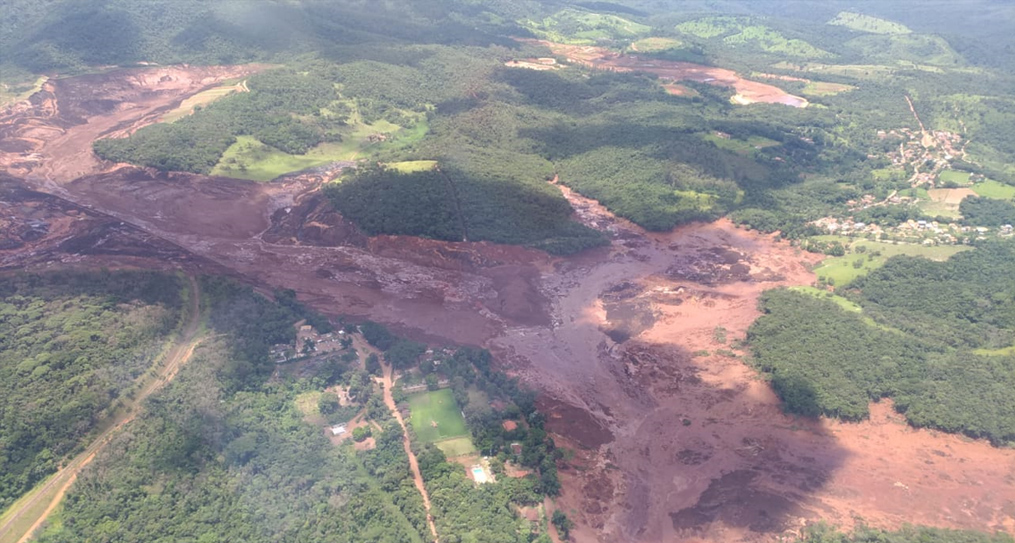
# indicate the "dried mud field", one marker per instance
pixel 633 346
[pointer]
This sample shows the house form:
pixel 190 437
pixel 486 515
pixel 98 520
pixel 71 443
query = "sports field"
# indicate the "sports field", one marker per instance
pixel 435 416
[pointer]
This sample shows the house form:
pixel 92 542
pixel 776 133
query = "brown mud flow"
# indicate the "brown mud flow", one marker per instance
pixel 632 345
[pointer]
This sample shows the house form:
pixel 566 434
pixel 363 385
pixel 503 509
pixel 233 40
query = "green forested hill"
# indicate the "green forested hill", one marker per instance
pixel 934 336
pixel 71 344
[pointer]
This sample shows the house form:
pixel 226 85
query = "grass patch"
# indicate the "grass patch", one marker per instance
pixel 250 159
pixel 436 416
pixel 1007 351
pixel 866 23
pixel 580 27
pixel 994 189
pixel 655 45
pixel 253 160
pixel 954 176
pixel 200 99
pixel 739 31
pixel 409 166
pixel 11 92
pixel 823 88
pixel 841 269
pixel 752 144
pixel 826 295
pixel 307 403
pixel 457 446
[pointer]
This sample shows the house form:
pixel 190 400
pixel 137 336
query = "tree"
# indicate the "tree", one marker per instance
pixel 563 524
pixel 328 403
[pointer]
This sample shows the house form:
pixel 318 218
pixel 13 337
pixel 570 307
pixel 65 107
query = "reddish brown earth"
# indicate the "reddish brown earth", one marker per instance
pixel 748 91
pixel 669 446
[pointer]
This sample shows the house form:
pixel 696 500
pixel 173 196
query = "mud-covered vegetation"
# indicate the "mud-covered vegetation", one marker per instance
pixel 931 336
pixel 71 346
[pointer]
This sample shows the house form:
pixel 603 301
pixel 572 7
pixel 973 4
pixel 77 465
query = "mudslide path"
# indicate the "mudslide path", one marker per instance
pixel 29 513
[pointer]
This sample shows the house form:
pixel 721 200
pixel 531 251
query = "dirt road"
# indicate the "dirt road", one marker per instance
pixel 29 513
pixel 388 383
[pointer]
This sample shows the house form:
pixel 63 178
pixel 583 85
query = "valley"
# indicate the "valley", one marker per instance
pixel 636 347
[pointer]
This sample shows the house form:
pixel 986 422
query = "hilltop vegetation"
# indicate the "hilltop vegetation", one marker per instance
pixel 740 31
pixel 867 23
pixel 908 345
pixel 582 27
pixel 71 345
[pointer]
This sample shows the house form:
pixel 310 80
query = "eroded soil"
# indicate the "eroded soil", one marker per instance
pixel 747 91
pixel 633 345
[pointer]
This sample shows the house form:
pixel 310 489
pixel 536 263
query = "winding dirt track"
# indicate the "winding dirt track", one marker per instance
pixel 675 437
pixel 22 511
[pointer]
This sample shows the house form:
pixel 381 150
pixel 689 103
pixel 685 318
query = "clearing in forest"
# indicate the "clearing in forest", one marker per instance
pixel 993 189
pixel 843 269
pixel 202 99
pixel 655 45
pixel 436 416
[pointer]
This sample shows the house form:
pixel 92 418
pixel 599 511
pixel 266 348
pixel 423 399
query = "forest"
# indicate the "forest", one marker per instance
pixel 71 345
pixel 223 453
pixel 932 336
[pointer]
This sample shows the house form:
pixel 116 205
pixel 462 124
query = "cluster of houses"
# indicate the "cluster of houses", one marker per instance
pixel 308 342
pixel 923 232
pixel 847 227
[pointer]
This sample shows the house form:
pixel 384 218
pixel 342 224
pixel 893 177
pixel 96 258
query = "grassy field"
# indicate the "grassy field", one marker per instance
pixel 251 159
pixel 866 23
pixel 436 416
pixel 654 45
pixel 1007 351
pixel 738 31
pixel 822 88
pixel 200 99
pixel 410 166
pixel 826 295
pixel 11 92
pixel 993 189
pixel 456 446
pixel 953 176
pixel 248 158
pixel 752 143
pixel 579 27
pixel 840 269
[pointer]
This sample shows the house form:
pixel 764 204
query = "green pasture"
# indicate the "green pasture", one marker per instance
pixel 744 147
pixel 248 158
pixel 200 99
pixel 435 416
pixel 410 166
pixel 456 446
pixel 993 189
pixel 954 176
pixel 841 269
pixel 656 44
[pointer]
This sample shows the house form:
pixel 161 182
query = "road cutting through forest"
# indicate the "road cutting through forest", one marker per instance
pixel 32 510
